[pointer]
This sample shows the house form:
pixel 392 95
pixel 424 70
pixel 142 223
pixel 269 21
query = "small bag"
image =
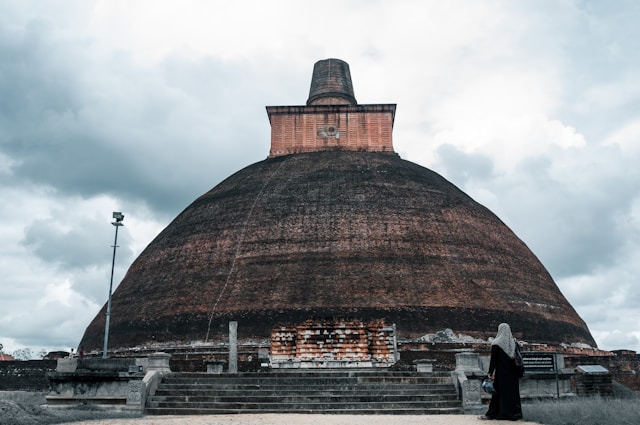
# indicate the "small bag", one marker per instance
pixel 517 358
pixel 487 386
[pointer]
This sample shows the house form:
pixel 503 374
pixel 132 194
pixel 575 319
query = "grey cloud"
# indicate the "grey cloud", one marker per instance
pixel 600 59
pixel 460 167
pixel 61 324
pixel 571 221
pixel 621 340
pixel 164 135
pixel 73 244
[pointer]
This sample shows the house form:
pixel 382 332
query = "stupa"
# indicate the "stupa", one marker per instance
pixel 334 224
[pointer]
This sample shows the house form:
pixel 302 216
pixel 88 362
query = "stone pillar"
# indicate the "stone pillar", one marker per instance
pixel 233 347
pixel 396 355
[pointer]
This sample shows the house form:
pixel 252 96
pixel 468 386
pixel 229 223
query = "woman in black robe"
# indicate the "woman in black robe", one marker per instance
pixel 505 402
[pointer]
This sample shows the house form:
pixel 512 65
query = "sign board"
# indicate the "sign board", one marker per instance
pixel 596 369
pixel 539 362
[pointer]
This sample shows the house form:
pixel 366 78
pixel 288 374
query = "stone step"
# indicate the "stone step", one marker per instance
pixel 199 390
pixel 353 392
pixel 304 405
pixel 317 374
pixel 273 398
pixel 301 383
pixel 307 381
pixel 333 411
pixel 324 372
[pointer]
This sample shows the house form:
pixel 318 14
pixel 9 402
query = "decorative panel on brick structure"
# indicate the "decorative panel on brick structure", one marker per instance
pixel 346 341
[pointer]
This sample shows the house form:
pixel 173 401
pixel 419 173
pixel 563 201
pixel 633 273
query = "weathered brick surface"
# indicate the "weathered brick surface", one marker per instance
pixel 335 234
pixel 589 385
pixel 298 129
pixel 331 84
pixel 335 340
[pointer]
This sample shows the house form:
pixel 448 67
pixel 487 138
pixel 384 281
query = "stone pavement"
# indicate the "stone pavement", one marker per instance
pixel 299 419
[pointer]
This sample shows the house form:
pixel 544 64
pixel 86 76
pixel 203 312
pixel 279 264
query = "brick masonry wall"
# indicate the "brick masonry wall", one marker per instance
pixel 364 235
pixel 299 129
pixel 587 385
pixel 28 375
pixel 336 340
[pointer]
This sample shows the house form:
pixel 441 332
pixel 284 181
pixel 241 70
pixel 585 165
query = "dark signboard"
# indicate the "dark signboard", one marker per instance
pixel 538 362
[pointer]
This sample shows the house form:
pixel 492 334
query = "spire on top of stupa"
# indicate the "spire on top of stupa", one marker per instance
pixel 331 84
pixel 332 119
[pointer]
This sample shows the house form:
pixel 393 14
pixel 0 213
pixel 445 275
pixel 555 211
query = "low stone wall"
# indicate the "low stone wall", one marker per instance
pixel 471 369
pixel 123 383
pixel 624 367
pixel 593 380
pixel 444 359
pixel 29 375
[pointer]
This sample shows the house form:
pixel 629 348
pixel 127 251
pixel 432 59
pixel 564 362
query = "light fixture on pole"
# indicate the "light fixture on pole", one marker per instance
pixel 118 216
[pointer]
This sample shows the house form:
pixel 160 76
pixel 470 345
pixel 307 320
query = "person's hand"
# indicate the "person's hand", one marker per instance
pixel 491 376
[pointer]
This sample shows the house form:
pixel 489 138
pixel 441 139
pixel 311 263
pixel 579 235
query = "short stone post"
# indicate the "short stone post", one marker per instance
pixel 424 365
pixel 67 364
pixel 215 366
pixel 159 362
pixel 233 347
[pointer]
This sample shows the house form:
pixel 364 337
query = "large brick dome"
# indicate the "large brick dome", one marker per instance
pixel 346 229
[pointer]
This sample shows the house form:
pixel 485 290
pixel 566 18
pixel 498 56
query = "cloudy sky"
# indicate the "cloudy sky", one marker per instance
pixel 531 107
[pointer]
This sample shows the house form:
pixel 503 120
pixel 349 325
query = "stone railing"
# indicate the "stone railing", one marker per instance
pixel 123 384
pixel 467 377
pixel 544 378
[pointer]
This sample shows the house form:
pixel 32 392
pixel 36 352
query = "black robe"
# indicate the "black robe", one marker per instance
pixel 505 404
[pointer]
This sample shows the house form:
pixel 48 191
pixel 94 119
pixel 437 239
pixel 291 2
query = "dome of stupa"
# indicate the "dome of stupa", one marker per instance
pixel 334 224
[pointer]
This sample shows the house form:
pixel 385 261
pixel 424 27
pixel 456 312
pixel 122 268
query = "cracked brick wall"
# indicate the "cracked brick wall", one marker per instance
pixel 336 340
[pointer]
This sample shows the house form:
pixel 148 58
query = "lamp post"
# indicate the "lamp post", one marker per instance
pixel 118 216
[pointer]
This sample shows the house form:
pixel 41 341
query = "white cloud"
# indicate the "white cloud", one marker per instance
pixel 627 138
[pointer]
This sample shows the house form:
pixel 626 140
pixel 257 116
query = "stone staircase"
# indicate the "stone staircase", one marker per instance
pixel 327 392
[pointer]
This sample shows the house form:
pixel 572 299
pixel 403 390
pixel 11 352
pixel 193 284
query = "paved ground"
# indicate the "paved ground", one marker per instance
pixel 300 419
